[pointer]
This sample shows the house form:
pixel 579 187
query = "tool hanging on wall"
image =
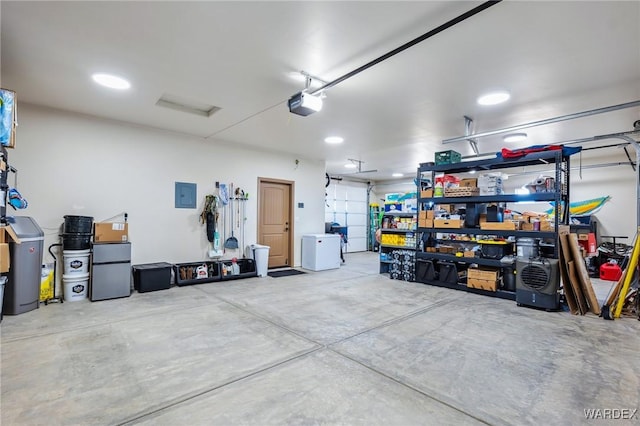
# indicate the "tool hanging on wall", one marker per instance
pixel 210 217
pixel 232 241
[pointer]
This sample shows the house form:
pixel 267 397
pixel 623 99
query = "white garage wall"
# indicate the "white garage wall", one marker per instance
pixel 617 216
pixel 71 164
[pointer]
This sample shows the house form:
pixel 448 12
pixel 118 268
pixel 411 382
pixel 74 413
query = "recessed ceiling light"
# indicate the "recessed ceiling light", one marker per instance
pixel 334 139
pixel 350 166
pixel 494 98
pixel 111 81
pixel 515 137
pixel 397 175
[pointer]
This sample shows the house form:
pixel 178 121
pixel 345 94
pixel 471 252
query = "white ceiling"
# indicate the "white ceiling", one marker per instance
pixel 555 58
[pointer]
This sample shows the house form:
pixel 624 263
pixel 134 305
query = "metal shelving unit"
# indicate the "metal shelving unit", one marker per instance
pixel 387 249
pixel 559 196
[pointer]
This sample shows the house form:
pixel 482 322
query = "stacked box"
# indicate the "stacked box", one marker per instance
pixel 490 184
pixel 403 265
pixel 482 278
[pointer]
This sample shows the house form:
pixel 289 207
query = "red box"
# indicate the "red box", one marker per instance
pixel 588 244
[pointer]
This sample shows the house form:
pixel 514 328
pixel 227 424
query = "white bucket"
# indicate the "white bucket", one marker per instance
pixel 75 287
pixel 76 262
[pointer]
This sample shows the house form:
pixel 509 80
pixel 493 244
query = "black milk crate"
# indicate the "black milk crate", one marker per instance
pixel 151 276
pixel 187 273
pixel 247 269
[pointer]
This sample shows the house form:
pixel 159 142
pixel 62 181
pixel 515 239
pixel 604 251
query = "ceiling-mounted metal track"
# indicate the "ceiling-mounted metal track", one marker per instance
pixel 544 122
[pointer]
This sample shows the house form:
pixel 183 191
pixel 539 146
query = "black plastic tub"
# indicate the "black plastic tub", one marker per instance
pixel 247 269
pixel 76 241
pixel 193 273
pixel 77 224
pixel 151 276
pixel 495 251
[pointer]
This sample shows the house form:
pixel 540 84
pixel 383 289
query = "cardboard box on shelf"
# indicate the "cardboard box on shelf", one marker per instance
pixel 488 285
pixel 426 193
pixel 426 214
pixel 392 197
pixel 447 223
pixel 425 223
pixel 499 226
pixel 393 207
pixel 483 273
pixel 469 183
pixel 111 232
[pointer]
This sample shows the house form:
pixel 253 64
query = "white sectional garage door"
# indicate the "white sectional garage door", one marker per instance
pixel 347 205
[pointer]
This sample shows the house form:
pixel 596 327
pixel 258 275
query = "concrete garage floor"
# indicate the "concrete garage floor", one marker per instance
pixel 346 346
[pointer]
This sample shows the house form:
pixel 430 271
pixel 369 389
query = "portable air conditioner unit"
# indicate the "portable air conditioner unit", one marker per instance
pixel 538 283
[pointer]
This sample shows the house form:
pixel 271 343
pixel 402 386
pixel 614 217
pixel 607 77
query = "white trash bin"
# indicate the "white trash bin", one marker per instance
pixel 261 256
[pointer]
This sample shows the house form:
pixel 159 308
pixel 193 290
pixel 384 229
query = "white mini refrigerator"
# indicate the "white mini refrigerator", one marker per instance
pixel 320 251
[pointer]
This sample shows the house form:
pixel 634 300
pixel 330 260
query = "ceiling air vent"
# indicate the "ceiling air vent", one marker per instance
pixel 186 105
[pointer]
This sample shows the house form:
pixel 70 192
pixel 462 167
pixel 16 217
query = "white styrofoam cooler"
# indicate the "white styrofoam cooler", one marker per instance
pixel 320 251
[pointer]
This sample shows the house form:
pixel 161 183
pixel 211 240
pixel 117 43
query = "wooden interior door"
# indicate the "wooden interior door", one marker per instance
pixel 274 220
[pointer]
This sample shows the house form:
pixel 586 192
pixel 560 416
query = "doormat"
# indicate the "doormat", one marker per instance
pixel 285 273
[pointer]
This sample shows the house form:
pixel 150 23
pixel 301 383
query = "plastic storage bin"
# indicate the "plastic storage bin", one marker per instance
pixel 247 269
pixel 151 276
pixel 447 157
pixel 197 273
